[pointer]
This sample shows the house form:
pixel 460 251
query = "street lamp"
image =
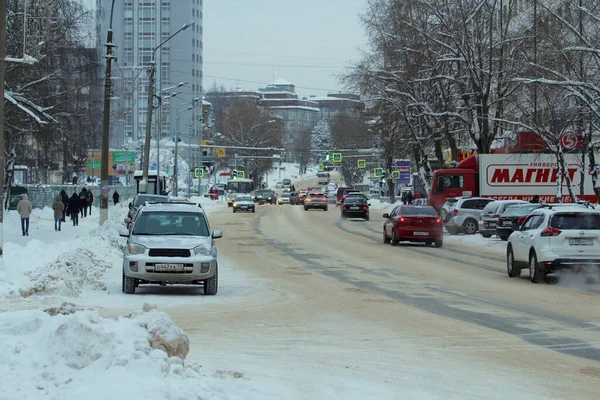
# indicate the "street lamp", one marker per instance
pixel 175 172
pixel 104 189
pixel 144 183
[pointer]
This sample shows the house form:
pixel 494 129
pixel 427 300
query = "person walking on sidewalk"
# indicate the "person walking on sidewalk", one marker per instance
pixel 116 197
pixel 58 208
pixel 65 199
pixel 83 202
pixel 24 209
pixel 89 200
pixel 74 208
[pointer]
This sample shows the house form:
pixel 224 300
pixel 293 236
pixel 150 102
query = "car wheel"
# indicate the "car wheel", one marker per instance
pixel 438 243
pixel 234 210
pixel 511 268
pixel 211 285
pixel 325 209
pixel 367 217
pixel 469 227
pixel 386 239
pixel 253 210
pixel 305 208
pixel 128 284
pixel 536 273
pixel 394 240
pixel 505 238
pixel 428 243
pixel 486 235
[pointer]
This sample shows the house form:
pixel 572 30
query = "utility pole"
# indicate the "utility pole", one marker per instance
pixel 104 189
pixel 2 157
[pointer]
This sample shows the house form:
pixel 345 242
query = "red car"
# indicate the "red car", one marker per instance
pixel 413 224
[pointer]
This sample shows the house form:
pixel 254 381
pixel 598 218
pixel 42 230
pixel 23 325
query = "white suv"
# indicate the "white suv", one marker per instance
pixel 551 239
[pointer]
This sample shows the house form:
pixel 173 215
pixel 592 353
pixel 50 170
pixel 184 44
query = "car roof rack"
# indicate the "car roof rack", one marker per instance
pixel 188 203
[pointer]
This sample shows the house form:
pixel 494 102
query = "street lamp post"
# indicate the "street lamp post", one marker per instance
pixel 144 183
pixel 175 172
pixel 106 124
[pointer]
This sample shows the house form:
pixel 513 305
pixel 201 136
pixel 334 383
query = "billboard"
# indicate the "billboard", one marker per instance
pixel 121 163
pixel 520 176
pixel 405 168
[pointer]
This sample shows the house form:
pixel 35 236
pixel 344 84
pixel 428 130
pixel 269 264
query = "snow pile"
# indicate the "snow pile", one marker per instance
pixel 63 268
pixel 76 354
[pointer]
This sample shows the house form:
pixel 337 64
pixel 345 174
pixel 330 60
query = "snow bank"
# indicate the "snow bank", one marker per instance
pixel 76 354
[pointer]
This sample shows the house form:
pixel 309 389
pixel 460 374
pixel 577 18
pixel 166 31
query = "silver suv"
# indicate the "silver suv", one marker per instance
pixel 170 244
pixel 464 216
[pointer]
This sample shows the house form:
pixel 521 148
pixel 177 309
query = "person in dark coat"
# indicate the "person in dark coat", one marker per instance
pixel 74 208
pixel 89 200
pixel 65 199
pixel 83 202
pixel 535 199
pixel 409 197
pixel 403 197
pixel 116 197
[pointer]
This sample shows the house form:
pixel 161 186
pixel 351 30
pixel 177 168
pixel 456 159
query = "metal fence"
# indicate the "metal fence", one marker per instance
pixel 44 195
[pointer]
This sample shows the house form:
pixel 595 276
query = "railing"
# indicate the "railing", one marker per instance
pixel 45 195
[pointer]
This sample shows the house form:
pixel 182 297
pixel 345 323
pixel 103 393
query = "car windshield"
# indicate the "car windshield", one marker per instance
pixel 578 221
pixel 450 202
pixel 409 211
pixel 243 198
pixel 139 200
pixel 491 207
pixel 520 210
pixel 164 223
pixel 285 195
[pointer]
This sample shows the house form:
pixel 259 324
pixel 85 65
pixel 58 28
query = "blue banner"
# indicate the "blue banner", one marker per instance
pixel 405 168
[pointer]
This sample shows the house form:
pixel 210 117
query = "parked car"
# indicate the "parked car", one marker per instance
pixel 446 210
pixel 414 224
pixel 492 212
pixel 243 202
pixel 465 215
pixel 140 199
pixel 315 200
pixel 170 244
pixel 554 238
pixel 284 198
pixel 355 207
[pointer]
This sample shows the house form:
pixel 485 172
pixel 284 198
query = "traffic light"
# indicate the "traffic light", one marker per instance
pixel 327 157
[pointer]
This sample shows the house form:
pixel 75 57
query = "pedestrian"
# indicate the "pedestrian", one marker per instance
pixel 24 209
pixel 116 197
pixel 409 197
pixel 89 200
pixel 58 208
pixel 65 199
pixel 74 208
pixel 403 198
pixel 83 202
pixel 535 199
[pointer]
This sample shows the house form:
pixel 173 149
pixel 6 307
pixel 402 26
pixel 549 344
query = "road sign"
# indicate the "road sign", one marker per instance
pixel 198 172
pixel 240 174
pixel 361 164
pixel 378 172
pixel 220 152
pixel 321 167
pixel 341 179
pixel 395 174
pixel 336 157
pixel 569 140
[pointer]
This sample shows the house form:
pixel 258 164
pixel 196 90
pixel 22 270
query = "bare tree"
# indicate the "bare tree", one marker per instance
pixel 350 132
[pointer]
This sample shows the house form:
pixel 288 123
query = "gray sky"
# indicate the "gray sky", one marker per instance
pixel 305 42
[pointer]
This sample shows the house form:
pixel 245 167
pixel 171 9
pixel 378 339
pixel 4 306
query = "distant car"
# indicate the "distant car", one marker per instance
pixel 492 212
pixel 315 200
pixel 339 193
pixel 287 182
pixel 279 185
pixel 284 198
pixel 265 196
pixel 140 199
pixel 300 196
pixel 420 202
pixel 243 202
pixel 355 207
pixel 465 215
pixel 350 192
pixel 170 244
pixel 293 198
pixel 414 224
pixel 286 189
pixel 554 238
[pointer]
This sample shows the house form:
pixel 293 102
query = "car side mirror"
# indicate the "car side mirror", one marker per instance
pixel 130 206
pixel 369 204
pixel 386 215
pixel 124 233
pixel 217 233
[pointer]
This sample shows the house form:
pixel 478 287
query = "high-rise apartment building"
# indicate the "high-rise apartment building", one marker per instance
pixel 138 28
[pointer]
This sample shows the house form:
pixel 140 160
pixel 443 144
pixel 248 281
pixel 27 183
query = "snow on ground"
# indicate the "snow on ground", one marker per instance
pixel 291 171
pixel 76 354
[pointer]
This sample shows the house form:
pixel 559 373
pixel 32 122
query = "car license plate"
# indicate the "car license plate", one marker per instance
pixel 168 267
pixel 420 233
pixel 355 208
pixel 243 206
pixel 581 242
pixel 507 223
pixel 491 224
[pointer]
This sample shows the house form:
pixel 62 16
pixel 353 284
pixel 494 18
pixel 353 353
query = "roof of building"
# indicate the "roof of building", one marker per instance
pixel 316 109
pixel 281 82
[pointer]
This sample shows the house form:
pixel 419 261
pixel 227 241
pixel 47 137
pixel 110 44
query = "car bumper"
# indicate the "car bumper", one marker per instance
pixel 553 262
pixel 310 204
pixel 487 229
pixel 283 201
pixel 420 235
pixel 355 214
pixel 247 208
pixel 504 231
pixel 196 268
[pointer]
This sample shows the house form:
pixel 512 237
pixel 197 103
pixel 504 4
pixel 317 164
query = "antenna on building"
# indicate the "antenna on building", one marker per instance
pixel 273 73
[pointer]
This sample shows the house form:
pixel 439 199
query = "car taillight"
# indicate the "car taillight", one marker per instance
pixel 550 231
pixel 521 220
pixel 344 207
pixel 365 208
pixel 401 220
pixel 496 216
pixel 455 212
pixel 438 220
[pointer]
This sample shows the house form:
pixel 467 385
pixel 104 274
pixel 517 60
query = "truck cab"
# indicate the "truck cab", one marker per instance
pixel 454 182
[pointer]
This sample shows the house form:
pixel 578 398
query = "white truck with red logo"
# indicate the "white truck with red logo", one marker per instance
pixel 510 176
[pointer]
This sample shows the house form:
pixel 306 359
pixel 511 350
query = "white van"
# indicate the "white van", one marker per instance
pixel 323 178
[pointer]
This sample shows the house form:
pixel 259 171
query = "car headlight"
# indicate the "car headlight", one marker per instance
pixel 203 250
pixel 235 204
pixel 136 249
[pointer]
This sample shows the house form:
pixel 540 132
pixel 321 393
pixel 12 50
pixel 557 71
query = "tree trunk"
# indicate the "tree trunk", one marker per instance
pixel 595 180
pixel 439 153
pixel 564 174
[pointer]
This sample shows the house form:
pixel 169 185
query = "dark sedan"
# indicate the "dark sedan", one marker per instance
pixel 265 196
pixel 512 218
pixel 355 207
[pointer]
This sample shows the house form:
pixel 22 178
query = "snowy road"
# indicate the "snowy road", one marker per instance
pixel 313 306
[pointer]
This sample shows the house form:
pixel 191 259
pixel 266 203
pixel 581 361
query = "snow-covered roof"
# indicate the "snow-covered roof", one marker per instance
pixel 206 103
pixel 297 107
pixel 329 98
pixel 281 82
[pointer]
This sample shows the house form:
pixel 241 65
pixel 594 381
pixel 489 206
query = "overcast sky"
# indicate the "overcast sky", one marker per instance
pixel 305 42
